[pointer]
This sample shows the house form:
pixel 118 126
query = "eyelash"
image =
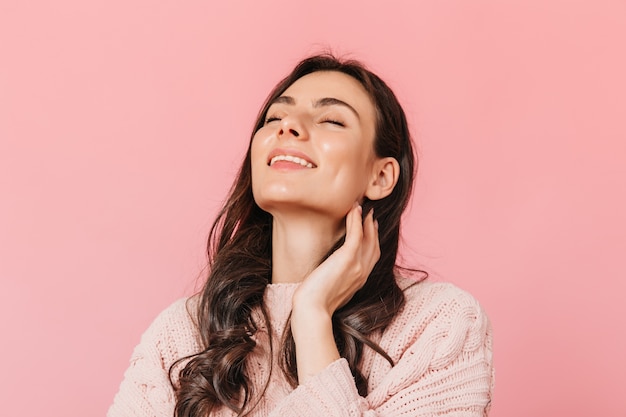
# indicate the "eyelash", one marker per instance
pixel 333 121
pixel 271 119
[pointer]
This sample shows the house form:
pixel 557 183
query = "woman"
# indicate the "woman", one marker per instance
pixel 305 312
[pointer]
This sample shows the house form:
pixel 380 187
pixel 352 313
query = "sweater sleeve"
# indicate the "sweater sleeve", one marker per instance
pixel 444 368
pixel 146 390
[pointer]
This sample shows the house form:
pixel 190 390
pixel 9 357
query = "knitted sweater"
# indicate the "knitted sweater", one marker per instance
pixel 440 342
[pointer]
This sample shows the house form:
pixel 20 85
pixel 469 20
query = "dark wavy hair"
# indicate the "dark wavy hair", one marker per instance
pixel 240 249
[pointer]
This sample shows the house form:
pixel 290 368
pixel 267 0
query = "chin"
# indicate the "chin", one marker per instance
pixel 273 206
pixel 273 201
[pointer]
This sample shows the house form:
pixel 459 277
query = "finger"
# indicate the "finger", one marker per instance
pixel 369 230
pixel 371 244
pixel 350 218
pixel 354 227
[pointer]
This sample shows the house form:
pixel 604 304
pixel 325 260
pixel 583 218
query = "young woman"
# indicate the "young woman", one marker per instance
pixel 305 312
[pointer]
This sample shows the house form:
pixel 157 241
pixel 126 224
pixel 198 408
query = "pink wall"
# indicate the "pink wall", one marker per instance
pixel 122 123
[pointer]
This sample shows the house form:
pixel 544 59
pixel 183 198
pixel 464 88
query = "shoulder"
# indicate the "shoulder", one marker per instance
pixel 440 343
pixel 173 333
pixel 429 299
pixel 431 293
pixel 146 389
pixel 441 315
pixel 176 315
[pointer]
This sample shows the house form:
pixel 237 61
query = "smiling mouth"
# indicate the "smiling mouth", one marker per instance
pixel 289 158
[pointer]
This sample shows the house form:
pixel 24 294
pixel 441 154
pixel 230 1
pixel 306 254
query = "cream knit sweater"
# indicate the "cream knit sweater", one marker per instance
pixel 440 343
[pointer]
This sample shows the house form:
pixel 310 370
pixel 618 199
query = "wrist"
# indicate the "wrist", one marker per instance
pixel 311 318
pixel 312 331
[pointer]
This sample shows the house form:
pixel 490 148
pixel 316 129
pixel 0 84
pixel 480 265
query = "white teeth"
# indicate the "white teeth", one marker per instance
pixel 290 158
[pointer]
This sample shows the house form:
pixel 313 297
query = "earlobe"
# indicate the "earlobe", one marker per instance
pixel 385 174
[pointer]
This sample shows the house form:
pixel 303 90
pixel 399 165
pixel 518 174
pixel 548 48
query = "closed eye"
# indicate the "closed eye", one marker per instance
pixel 334 122
pixel 271 119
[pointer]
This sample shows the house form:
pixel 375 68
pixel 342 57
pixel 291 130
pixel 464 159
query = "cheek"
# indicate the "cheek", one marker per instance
pixel 255 142
pixel 262 139
pixel 256 158
pixel 257 150
pixel 347 156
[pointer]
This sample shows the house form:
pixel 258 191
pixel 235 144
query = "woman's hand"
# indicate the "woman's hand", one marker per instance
pixel 334 282
pixel 331 285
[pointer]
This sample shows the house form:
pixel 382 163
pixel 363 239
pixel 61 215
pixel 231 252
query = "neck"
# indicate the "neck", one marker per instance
pixel 299 243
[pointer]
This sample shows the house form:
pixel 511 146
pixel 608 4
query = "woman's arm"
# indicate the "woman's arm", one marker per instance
pixel 443 351
pixel 327 288
pixel 460 381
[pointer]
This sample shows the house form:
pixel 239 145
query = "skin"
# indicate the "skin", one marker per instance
pixel 328 120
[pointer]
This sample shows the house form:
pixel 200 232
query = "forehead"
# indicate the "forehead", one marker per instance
pixel 333 84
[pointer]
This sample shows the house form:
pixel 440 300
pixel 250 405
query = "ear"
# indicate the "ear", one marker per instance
pixel 385 174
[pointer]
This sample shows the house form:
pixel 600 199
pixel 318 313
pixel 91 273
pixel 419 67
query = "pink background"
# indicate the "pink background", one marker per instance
pixel 122 124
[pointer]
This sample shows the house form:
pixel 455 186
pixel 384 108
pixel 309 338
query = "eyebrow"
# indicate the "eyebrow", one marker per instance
pixel 322 102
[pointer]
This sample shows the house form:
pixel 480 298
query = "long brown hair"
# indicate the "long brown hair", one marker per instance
pixel 239 251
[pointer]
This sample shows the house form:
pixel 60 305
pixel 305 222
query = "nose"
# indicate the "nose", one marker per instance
pixel 284 131
pixel 291 126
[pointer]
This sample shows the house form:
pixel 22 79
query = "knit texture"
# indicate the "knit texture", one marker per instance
pixel 440 342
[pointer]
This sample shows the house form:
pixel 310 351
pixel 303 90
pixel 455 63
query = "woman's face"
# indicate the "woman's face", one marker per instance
pixel 315 151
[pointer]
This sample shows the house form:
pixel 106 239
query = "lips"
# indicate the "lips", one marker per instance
pixel 290 158
pixel 290 155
